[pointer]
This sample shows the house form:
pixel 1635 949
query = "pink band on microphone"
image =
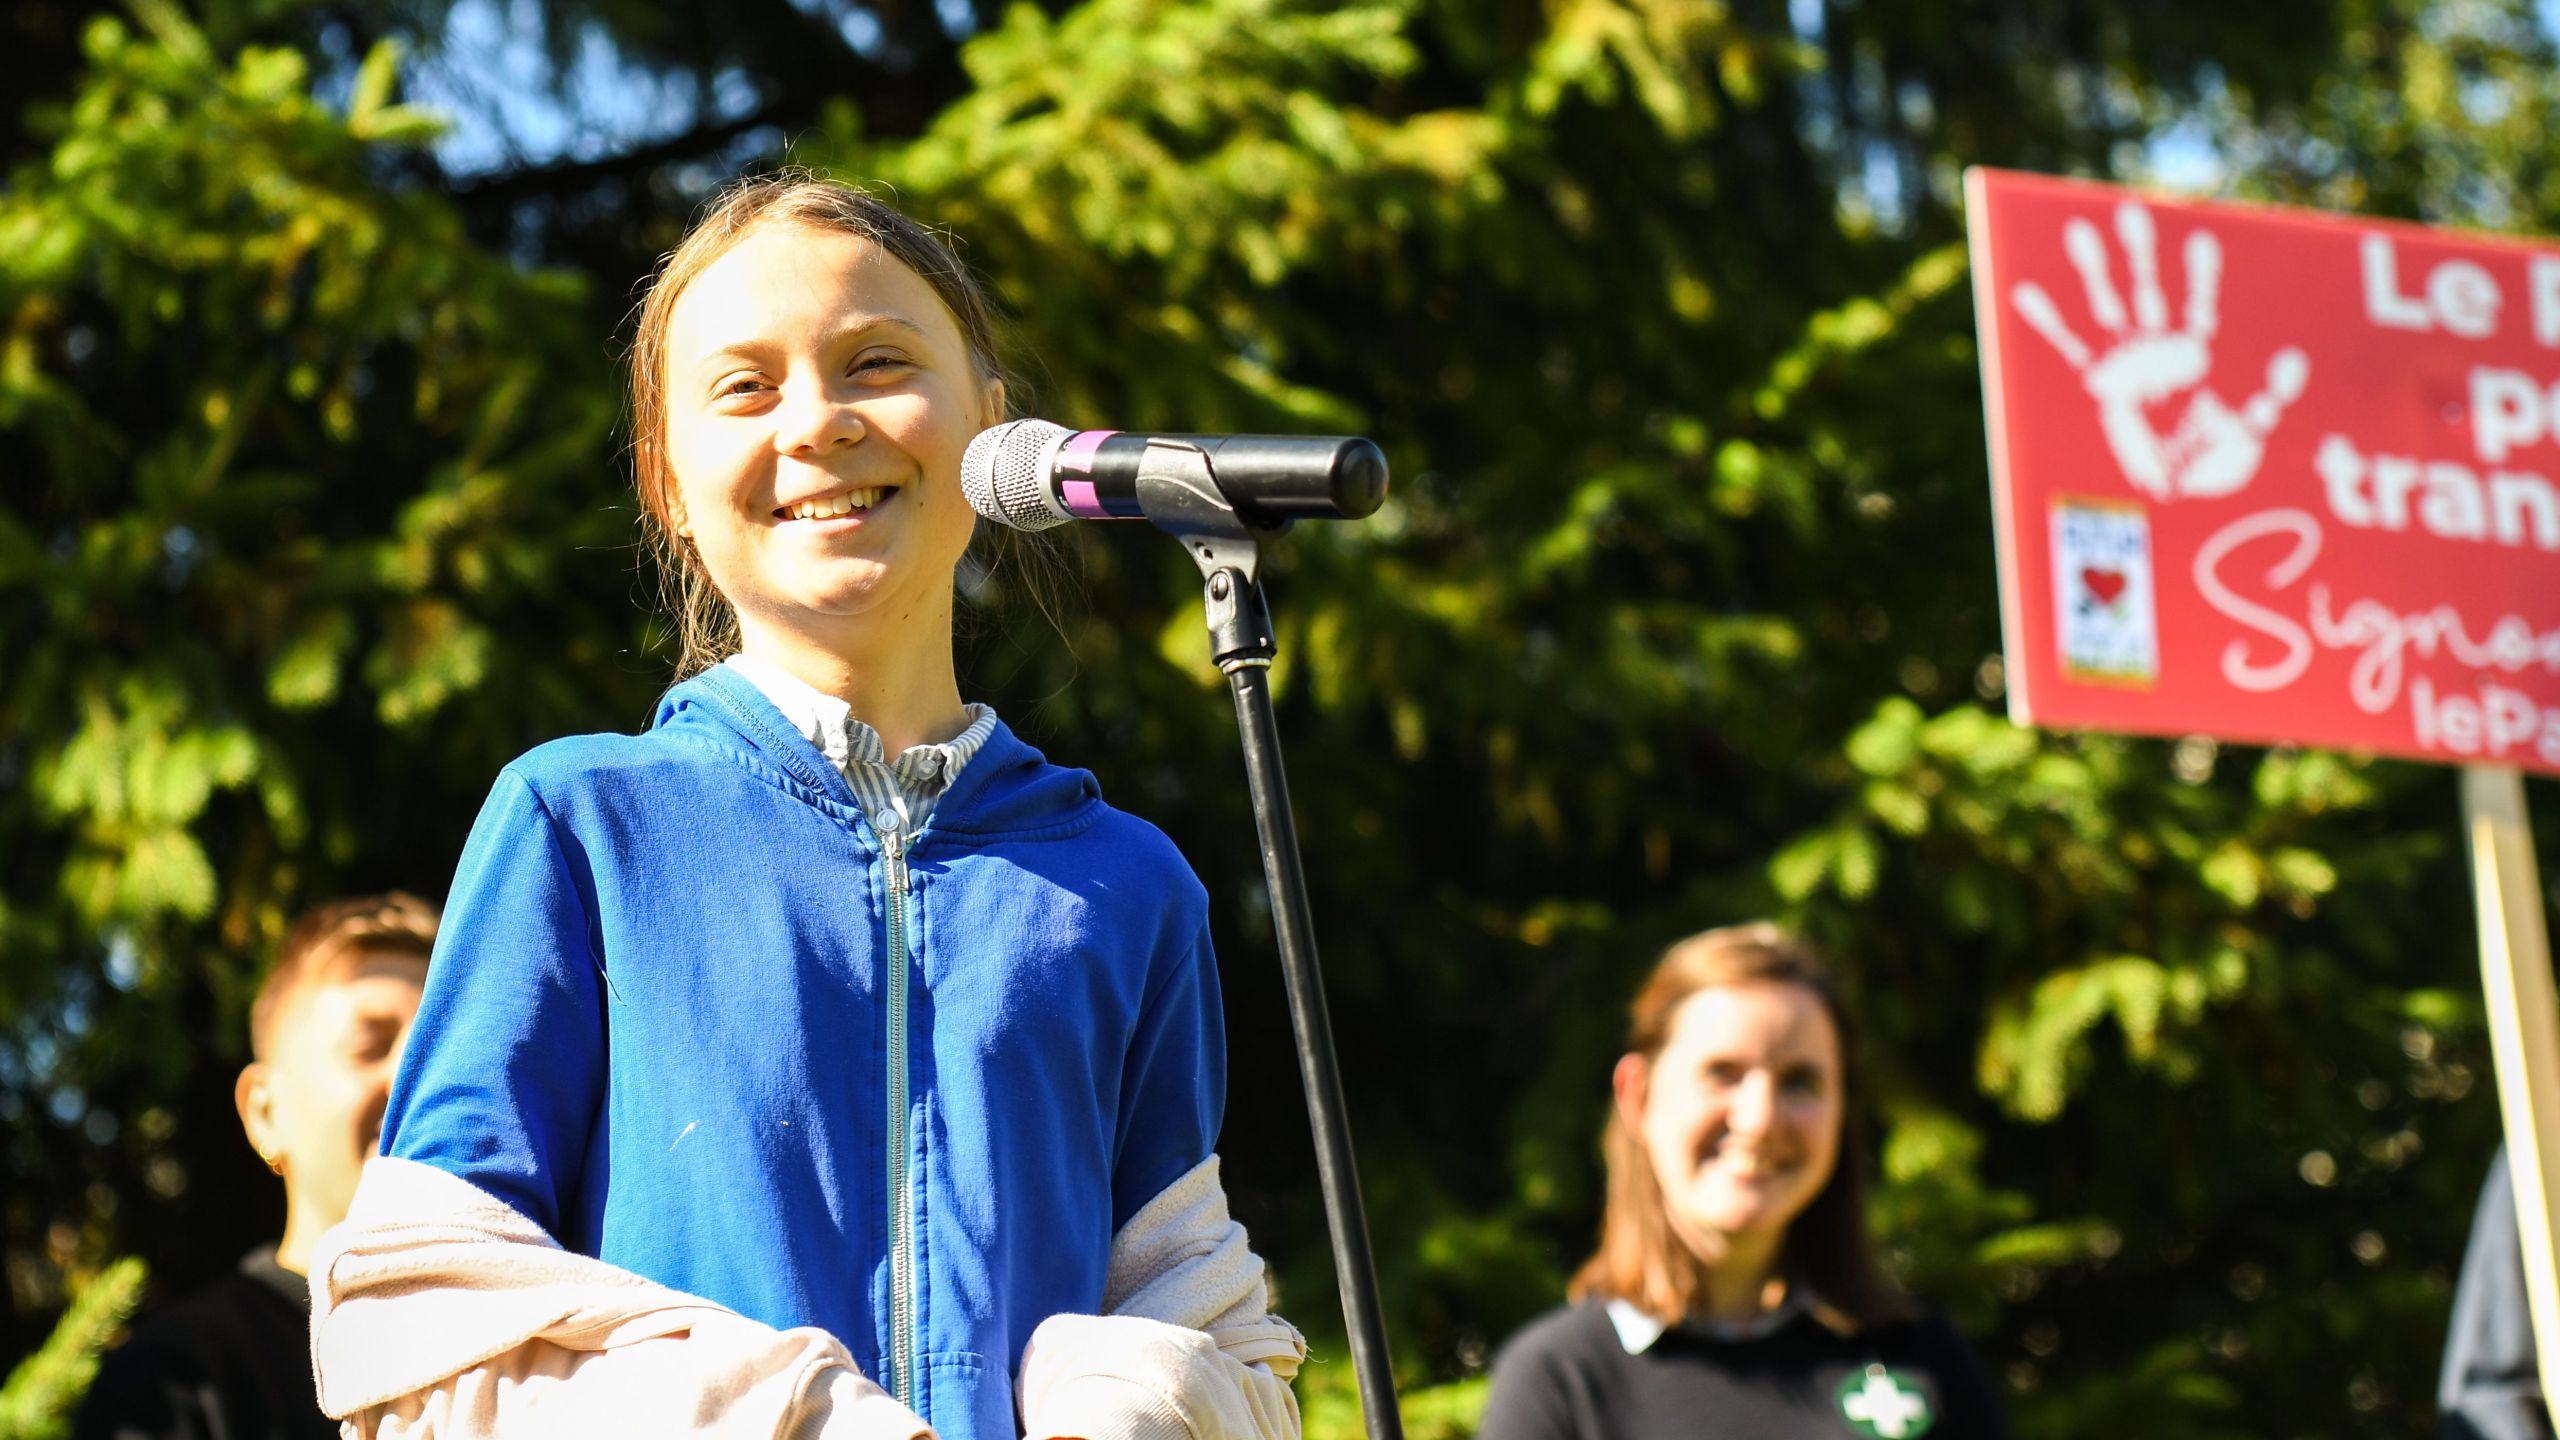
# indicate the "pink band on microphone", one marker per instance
pixel 1077 453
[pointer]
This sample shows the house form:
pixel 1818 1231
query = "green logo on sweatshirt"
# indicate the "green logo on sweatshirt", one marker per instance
pixel 1885 1404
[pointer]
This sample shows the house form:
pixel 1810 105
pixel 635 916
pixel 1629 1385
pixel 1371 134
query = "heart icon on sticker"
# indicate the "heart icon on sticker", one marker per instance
pixel 2104 584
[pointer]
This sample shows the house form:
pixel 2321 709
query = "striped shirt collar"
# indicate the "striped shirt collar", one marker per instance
pixel 908 785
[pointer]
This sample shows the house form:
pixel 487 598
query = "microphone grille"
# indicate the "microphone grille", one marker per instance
pixel 1001 476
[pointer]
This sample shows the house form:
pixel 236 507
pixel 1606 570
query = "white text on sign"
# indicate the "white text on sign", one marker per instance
pixel 2457 296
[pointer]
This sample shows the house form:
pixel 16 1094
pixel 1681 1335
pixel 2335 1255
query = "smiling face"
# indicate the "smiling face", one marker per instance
pixel 818 399
pixel 1740 1113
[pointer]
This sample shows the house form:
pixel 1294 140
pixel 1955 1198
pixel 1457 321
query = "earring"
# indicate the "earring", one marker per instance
pixel 274 1162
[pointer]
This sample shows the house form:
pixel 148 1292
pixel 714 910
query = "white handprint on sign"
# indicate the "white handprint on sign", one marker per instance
pixel 2213 449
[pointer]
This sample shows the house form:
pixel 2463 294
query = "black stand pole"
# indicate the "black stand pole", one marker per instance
pixel 1181 499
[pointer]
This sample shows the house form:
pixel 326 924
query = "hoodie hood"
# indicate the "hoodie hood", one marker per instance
pixel 1007 791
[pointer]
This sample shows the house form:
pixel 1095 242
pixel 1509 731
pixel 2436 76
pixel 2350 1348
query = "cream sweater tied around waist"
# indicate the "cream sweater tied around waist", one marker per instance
pixel 436 1310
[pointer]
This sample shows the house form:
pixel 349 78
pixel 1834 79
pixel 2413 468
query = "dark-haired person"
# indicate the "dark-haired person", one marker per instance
pixel 232 1361
pixel 1736 1292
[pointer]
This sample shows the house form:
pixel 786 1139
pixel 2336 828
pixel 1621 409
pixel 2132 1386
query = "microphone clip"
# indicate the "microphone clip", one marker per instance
pixel 1179 490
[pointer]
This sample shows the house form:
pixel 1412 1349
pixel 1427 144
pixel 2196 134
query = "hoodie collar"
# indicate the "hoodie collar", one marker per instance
pixel 734 701
pixel 1007 790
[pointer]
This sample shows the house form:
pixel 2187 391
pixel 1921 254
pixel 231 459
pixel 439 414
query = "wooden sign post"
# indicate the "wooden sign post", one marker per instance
pixel 2285 477
pixel 2524 1030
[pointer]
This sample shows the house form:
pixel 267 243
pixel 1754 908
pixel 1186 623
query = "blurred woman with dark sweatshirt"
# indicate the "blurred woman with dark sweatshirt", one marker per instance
pixel 1736 1292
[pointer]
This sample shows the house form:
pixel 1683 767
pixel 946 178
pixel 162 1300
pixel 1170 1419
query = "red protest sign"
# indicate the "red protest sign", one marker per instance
pixel 2271 475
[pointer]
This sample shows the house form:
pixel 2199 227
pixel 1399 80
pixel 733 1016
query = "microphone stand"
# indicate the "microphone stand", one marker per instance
pixel 1181 496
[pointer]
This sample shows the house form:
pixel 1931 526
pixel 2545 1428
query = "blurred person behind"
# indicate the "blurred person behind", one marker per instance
pixel 2491 1387
pixel 232 1361
pixel 1735 1291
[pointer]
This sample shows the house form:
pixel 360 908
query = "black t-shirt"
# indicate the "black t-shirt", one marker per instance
pixel 1568 1376
pixel 230 1362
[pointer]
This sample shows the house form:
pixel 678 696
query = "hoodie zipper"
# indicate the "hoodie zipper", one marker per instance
pixel 902 1260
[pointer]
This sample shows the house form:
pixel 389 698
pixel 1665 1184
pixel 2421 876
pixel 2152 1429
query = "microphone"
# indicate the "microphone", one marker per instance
pixel 1033 474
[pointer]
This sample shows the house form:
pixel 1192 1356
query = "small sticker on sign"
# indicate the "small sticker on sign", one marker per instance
pixel 2102 591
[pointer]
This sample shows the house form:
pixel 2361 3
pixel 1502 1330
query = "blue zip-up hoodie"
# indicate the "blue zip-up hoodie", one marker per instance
pixel 663 1022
